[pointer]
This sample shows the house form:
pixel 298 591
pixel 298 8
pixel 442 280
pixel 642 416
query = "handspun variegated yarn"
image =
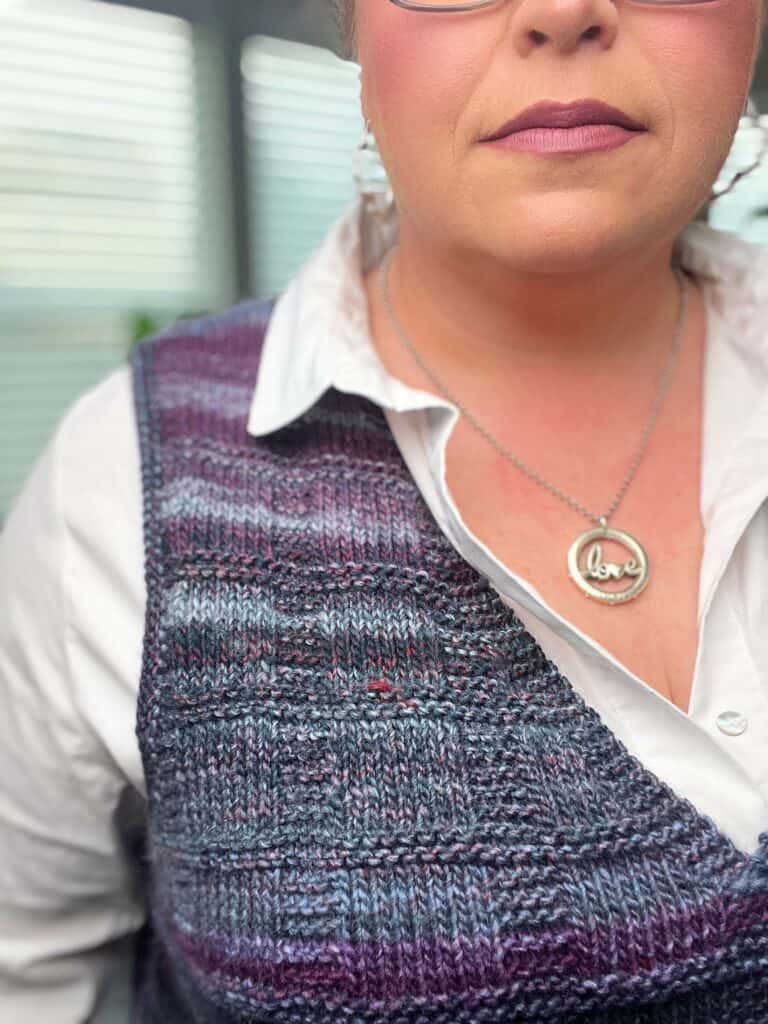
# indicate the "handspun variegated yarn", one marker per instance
pixel 371 797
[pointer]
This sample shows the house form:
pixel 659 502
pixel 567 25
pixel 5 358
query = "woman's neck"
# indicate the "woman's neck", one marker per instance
pixel 478 317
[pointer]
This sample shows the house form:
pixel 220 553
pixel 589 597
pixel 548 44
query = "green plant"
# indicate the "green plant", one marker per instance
pixel 143 324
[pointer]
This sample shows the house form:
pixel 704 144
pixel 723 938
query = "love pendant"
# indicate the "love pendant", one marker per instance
pixel 589 569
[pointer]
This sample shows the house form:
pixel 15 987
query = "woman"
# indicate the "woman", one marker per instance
pixel 448 656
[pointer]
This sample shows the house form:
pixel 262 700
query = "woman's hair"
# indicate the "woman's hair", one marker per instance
pixel 344 11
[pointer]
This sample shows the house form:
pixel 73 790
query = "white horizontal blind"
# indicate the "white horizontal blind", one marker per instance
pixel 105 174
pixel 43 367
pixel 739 210
pixel 303 123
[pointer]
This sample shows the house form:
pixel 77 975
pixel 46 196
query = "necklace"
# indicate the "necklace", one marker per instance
pixel 587 567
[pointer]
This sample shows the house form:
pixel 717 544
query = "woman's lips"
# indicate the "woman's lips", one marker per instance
pixel 583 126
pixel 585 138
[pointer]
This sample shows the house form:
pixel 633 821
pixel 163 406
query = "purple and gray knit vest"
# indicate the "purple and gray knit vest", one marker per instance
pixel 371 798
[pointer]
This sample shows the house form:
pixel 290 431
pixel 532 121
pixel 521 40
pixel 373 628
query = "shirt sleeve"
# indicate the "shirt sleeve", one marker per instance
pixel 71 900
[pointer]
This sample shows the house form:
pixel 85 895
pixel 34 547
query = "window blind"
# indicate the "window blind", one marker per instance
pixel 106 169
pixel 303 124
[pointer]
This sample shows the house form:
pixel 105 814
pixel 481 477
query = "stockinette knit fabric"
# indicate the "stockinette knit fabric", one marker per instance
pixel 371 797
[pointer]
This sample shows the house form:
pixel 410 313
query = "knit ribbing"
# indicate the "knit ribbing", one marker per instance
pixel 371 797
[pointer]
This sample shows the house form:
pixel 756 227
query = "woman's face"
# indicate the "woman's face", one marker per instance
pixel 433 84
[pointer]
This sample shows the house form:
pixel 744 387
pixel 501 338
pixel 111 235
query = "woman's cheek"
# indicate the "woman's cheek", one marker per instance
pixel 417 81
pixel 706 53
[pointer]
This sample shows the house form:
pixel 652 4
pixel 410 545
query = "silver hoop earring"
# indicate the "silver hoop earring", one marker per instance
pixel 751 111
pixel 371 177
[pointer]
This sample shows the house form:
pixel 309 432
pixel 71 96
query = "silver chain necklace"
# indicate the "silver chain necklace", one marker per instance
pixel 586 565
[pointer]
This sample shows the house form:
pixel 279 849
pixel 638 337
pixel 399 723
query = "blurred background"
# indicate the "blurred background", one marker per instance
pixel 166 158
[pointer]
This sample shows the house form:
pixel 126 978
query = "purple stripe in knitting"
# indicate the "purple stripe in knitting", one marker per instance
pixel 628 955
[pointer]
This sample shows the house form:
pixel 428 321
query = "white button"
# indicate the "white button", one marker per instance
pixel 732 723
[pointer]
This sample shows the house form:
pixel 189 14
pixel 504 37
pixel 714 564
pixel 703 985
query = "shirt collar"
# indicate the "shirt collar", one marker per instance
pixel 318 336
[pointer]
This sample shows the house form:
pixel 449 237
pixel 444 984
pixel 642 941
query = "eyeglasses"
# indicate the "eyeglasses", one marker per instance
pixel 475 5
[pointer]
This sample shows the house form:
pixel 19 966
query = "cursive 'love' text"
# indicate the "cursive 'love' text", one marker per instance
pixel 597 569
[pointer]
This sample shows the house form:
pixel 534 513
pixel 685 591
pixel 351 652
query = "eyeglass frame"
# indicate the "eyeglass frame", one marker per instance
pixel 477 5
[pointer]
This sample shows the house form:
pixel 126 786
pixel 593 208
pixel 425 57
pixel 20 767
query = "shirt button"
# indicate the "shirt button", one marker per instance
pixel 732 723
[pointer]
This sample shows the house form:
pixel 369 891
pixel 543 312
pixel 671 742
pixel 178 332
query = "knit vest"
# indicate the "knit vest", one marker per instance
pixel 372 799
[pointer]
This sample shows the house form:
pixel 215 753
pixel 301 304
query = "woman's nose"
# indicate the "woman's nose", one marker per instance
pixel 563 26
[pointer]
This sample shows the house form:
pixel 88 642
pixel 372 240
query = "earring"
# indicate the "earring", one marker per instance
pixel 751 111
pixel 371 177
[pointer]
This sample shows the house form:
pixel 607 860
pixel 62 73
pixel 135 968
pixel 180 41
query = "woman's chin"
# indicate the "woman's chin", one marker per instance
pixel 583 234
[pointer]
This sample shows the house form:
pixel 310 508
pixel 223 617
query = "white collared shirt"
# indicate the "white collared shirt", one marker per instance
pixel 72 601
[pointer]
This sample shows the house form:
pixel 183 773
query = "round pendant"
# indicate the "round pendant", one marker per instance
pixel 588 569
